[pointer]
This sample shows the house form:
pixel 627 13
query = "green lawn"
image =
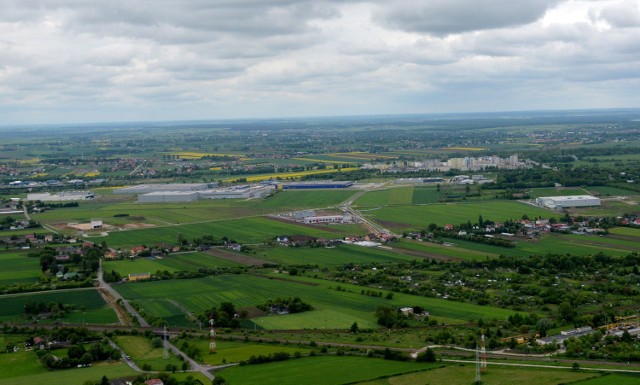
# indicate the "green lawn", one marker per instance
pixel 333 308
pixel 328 370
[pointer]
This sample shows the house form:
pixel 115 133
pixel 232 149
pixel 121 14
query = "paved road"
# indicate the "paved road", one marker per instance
pixel 346 206
pixel 117 296
pixel 205 370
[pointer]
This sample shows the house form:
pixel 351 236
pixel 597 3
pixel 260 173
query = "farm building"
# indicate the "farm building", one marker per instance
pixel 61 196
pixel 169 196
pixel 314 185
pixel 150 188
pixel 569 201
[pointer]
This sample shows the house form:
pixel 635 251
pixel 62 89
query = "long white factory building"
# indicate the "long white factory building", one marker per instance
pixel 569 201
pixel 238 192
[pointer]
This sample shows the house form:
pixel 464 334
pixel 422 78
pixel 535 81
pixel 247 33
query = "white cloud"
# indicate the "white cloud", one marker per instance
pixel 73 60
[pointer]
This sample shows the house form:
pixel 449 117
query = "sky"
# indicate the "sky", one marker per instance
pixel 75 61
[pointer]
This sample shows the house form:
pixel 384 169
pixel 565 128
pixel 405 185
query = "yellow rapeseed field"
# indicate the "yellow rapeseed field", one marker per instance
pixel 465 148
pixel 199 155
pixel 362 155
pixel 284 175
pixel 92 174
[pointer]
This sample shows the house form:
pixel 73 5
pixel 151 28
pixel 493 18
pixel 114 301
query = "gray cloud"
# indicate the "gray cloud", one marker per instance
pixel 442 17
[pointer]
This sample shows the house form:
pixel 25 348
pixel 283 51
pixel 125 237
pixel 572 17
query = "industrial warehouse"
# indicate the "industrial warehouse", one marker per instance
pixel 61 196
pixel 314 185
pixel 569 201
pixel 193 192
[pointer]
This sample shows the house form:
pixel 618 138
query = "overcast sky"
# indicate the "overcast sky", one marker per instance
pixel 119 60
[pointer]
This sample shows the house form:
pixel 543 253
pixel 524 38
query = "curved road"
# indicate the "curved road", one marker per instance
pixel 205 370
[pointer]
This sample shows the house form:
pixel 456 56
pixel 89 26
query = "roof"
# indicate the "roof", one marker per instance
pixel 568 198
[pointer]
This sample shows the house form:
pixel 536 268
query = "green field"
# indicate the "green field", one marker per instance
pixel 247 230
pixel 605 191
pixel 328 370
pixel 333 308
pixel 460 249
pixel 321 256
pixel 190 261
pixel 23 368
pixel 236 351
pixel 552 192
pixel 390 196
pixel 612 379
pixel 141 352
pixel 95 309
pixel 425 194
pixel 495 375
pixel 16 267
pixel 403 218
pixel 190 212
pixel 630 231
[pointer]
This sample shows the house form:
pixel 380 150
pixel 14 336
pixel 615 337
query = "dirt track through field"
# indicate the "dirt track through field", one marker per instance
pixel 123 317
pixel 237 258
pixel 425 254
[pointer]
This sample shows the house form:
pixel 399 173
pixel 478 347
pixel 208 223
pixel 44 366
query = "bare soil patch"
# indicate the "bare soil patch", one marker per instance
pixel 253 312
pixel 237 258
pixel 425 254
pixel 287 280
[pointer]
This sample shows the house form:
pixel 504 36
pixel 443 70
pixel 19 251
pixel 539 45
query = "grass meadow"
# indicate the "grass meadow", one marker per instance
pixel 16 267
pixel 236 351
pixel 612 379
pixel 326 370
pixel 402 218
pixel 191 261
pixel 189 212
pixel 141 352
pixel 89 306
pixel 333 308
pixel 495 375
pixel 23 368
pixel 247 230
pixel 321 256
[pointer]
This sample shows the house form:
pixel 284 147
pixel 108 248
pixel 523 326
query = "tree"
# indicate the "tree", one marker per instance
pixel 104 381
pixel 566 312
pixel 354 328
pixel 156 342
pixel 427 356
